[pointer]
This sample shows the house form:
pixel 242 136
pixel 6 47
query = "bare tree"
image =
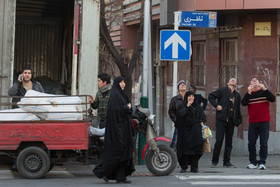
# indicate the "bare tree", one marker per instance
pixel 126 69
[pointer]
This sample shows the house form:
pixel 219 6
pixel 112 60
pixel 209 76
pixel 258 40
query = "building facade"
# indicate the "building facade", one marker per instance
pixel 244 44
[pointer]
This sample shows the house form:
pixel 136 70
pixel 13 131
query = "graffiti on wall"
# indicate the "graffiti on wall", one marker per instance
pixel 264 70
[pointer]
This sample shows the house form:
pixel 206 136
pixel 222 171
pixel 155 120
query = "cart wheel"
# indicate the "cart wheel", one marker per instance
pixel 33 162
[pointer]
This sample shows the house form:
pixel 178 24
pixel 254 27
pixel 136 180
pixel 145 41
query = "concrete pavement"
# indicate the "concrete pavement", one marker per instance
pixel 241 162
pixel 76 174
pixel 273 165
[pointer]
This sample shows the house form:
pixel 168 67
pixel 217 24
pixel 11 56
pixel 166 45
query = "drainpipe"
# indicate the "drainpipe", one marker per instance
pixel 76 43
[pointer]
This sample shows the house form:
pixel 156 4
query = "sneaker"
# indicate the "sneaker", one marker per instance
pixel 252 166
pixel 261 167
pixel 229 165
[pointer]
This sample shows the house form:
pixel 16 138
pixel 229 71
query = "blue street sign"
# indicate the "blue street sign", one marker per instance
pixel 175 45
pixel 198 19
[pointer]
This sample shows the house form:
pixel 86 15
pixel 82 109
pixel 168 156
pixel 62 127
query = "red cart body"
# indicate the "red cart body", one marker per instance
pixel 38 145
pixel 55 135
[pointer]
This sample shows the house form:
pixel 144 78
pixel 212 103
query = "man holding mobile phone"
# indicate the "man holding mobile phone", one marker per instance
pixel 23 84
pixel 258 99
pixel 20 87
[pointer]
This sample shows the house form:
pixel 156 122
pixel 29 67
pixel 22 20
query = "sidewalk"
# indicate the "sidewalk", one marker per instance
pixel 241 162
pixel 272 165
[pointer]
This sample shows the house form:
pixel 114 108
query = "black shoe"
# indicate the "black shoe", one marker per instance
pixel 229 165
pixel 105 179
pixel 124 182
pixel 194 170
pixel 183 171
pixel 214 165
pixel 13 168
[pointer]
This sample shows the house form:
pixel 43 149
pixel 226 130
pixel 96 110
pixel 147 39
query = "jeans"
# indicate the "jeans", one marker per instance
pixel 258 129
pixel 174 139
pixel 223 129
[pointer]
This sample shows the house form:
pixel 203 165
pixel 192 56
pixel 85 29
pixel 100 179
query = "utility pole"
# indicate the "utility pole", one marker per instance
pixel 145 73
pixel 175 63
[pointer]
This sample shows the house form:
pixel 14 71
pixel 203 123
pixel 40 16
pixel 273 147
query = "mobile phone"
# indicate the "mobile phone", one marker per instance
pixel 21 77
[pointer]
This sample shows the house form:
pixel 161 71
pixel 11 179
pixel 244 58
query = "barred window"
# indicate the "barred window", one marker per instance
pixel 228 61
pixel 198 77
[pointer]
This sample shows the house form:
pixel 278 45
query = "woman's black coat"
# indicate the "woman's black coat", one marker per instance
pixel 118 144
pixel 189 128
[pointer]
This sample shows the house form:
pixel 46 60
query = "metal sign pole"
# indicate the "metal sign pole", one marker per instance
pixel 175 64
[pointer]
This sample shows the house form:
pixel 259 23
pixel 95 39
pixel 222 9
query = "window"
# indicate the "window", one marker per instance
pixel 198 64
pixel 229 60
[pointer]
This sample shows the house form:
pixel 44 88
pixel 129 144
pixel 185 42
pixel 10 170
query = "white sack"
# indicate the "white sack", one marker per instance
pixel 48 106
pixel 12 115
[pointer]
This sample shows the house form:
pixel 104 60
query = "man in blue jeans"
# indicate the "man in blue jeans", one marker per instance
pixel 257 99
pixel 175 101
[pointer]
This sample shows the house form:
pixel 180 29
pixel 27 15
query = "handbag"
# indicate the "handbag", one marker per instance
pixel 206 147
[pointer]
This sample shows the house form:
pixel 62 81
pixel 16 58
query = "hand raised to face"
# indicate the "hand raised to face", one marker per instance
pixel 219 108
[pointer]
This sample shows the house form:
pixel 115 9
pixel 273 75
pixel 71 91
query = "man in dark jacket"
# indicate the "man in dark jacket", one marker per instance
pixel 175 101
pixel 101 99
pixel 257 99
pixel 198 98
pixel 23 84
pixel 226 100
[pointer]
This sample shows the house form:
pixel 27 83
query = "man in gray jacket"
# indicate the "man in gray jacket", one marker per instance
pixel 23 84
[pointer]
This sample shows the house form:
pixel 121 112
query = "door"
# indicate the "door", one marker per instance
pixel 86 47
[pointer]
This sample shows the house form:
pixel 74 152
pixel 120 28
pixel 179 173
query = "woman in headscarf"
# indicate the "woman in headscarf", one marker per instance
pixel 189 116
pixel 117 161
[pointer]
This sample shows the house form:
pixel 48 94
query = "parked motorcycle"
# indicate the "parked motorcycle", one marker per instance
pixel 161 160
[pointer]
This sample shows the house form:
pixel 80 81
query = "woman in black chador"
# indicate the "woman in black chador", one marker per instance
pixel 189 117
pixel 117 161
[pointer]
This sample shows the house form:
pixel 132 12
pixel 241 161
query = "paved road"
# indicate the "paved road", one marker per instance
pixel 76 174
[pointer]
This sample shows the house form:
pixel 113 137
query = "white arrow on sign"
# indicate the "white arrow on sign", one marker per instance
pixel 175 39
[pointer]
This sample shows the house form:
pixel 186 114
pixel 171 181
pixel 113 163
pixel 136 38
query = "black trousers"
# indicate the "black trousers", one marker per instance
pixel 225 130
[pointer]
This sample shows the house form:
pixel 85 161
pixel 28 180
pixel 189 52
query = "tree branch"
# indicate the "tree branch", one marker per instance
pixel 105 35
pixel 136 51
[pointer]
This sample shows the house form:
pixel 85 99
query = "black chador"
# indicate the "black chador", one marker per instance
pixel 189 142
pixel 117 161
